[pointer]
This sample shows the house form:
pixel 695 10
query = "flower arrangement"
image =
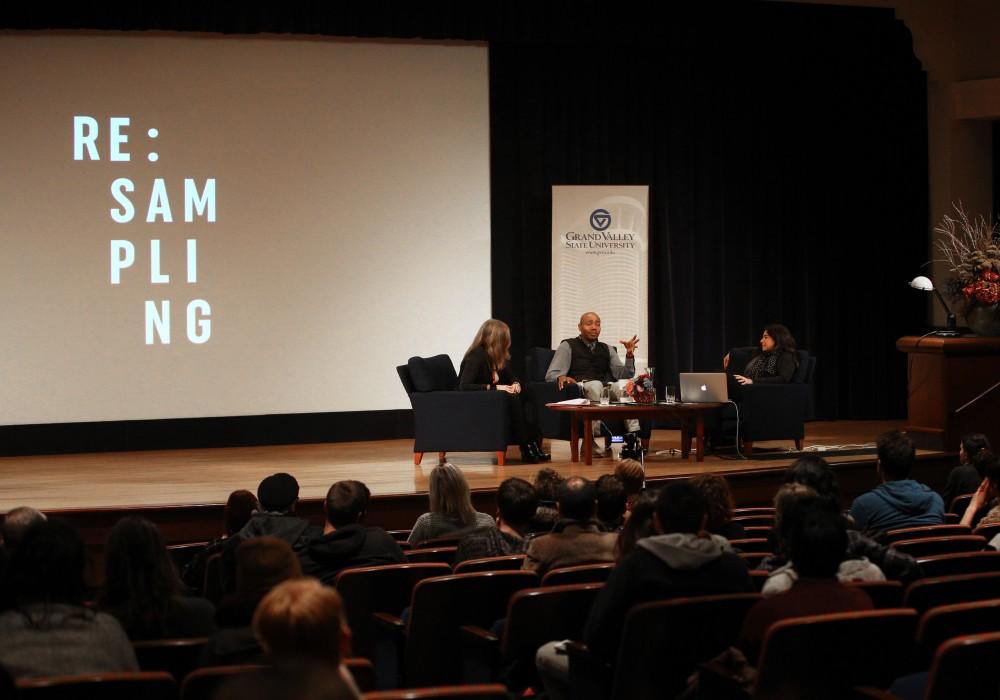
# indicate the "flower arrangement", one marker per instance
pixel 641 389
pixel 971 248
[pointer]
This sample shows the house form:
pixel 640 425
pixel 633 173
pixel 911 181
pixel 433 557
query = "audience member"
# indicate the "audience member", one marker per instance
pixel 240 506
pixel 261 564
pixel 633 478
pixel 791 503
pixel 639 524
pixel 680 560
pixel 986 493
pixel 899 501
pixel 577 537
pixel 719 500
pixel 50 631
pixel 547 483
pixel 817 542
pixel 303 620
pixel 516 506
pixel 451 507
pixel 15 524
pixel 278 495
pixel 343 541
pixel 142 589
pixel 813 471
pixel 611 502
pixel 966 477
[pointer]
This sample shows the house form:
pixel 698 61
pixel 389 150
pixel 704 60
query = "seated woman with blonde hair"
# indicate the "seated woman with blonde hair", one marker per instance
pixel 451 507
pixel 485 368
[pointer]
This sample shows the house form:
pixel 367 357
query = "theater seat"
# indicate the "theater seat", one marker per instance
pixel 441 555
pixel 922 532
pixel 929 593
pixel 965 667
pixel 662 644
pixel 510 562
pixel 584 573
pixel 451 692
pixel 439 607
pixel 824 656
pixel 940 624
pixel 202 683
pixel 534 617
pixel 148 685
pixel 178 657
pixel 884 594
pixel 959 563
pixel 929 546
pixel 373 589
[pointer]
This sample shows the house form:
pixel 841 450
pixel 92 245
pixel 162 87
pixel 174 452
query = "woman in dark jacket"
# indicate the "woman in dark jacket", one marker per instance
pixel 485 368
pixel 774 362
pixel 966 477
pixel 240 507
pixel 719 500
pixel 143 590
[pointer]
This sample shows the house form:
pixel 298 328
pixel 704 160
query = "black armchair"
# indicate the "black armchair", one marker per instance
pixel 551 424
pixel 771 411
pixel 447 420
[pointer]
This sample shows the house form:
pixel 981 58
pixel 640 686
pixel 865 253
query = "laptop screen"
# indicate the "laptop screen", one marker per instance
pixel 704 387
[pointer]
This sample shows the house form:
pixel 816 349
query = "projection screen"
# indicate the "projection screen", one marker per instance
pixel 196 226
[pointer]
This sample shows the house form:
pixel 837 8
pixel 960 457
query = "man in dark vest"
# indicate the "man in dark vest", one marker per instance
pixel 586 361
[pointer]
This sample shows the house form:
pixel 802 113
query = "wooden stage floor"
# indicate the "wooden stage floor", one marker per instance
pixel 190 478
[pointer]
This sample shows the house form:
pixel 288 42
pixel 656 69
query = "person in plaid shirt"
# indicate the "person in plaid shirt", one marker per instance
pixel 516 504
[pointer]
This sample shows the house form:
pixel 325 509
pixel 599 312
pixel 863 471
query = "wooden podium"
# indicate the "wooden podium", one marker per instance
pixel 954 389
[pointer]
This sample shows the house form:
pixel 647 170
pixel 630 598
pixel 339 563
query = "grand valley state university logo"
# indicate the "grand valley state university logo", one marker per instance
pixel 600 219
pixel 601 240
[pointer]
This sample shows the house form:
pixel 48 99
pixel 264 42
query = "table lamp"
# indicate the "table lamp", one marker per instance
pixel 925 285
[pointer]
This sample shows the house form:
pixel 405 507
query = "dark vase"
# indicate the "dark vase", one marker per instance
pixel 983 320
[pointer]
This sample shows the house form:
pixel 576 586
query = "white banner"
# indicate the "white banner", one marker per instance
pixel 600 253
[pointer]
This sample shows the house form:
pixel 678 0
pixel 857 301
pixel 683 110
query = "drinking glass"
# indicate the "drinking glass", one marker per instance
pixel 606 395
pixel 671 394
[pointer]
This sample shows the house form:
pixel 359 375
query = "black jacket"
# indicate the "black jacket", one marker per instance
pixel 659 569
pixel 290 528
pixel 349 546
pixel 475 373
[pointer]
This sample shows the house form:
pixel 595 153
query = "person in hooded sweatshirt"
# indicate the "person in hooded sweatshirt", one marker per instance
pixel 276 517
pixel 680 560
pixel 899 501
pixel 344 542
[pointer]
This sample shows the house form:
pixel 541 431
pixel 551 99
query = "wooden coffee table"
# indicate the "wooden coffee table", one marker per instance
pixel 586 413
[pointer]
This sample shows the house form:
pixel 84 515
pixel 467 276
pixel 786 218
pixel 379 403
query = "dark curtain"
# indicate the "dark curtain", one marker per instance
pixel 785 148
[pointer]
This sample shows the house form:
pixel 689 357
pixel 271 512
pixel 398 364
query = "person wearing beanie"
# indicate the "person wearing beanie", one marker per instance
pixel 261 564
pixel 277 495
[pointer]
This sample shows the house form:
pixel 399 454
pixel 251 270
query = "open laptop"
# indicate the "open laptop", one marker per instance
pixel 704 387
